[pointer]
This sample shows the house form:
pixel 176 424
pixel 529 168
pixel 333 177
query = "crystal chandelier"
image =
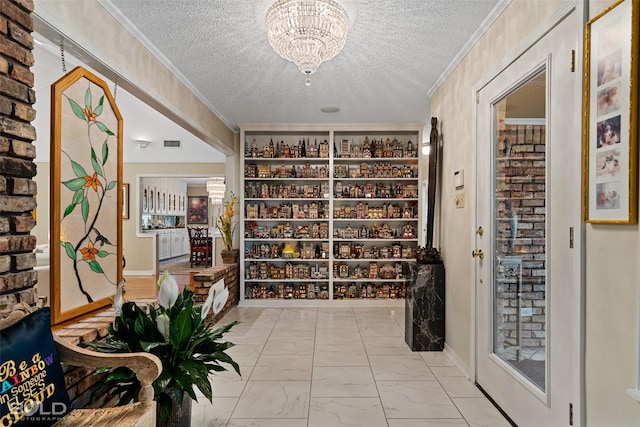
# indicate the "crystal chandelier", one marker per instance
pixel 216 188
pixel 307 32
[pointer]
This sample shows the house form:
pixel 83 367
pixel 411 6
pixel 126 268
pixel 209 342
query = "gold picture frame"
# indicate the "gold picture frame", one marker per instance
pixel 86 196
pixel 610 115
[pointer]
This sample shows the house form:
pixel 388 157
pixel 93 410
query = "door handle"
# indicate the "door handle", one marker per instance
pixel 480 231
pixel 478 254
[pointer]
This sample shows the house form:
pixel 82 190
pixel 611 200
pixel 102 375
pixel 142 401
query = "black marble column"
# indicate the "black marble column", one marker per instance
pixel 424 307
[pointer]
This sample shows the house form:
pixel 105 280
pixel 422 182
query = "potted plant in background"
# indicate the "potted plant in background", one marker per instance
pixel 178 333
pixel 227 228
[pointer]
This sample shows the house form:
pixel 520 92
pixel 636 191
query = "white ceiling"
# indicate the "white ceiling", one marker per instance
pixel 396 53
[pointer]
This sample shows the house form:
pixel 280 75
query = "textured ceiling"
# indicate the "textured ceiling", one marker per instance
pixel 394 54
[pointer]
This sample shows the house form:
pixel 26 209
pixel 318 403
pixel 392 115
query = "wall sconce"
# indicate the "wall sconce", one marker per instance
pixel 142 143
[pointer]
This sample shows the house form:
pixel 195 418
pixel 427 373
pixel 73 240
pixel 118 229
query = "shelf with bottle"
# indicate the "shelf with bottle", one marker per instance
pixel 287 290
pixel 368 290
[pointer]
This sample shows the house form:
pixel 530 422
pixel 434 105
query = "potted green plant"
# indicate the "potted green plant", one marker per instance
pixel 227 227
pixel 178 333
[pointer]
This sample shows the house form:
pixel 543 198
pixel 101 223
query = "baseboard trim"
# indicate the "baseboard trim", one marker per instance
pixel 457 360
pixel 138 272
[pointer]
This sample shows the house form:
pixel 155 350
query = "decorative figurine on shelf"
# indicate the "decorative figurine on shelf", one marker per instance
pixel 428 256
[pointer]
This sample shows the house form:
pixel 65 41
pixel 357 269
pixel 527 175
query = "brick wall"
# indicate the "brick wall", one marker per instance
pixel 521 273
pixel 17 169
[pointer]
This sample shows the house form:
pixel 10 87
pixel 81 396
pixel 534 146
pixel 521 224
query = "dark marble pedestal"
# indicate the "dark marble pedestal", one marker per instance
pixel 424 307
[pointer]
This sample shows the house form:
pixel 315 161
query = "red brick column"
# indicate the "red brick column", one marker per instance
pixel 17 169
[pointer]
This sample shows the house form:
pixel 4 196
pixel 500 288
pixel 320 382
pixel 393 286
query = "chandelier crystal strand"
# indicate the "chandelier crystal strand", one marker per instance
pixel 216 188
pixel 307 32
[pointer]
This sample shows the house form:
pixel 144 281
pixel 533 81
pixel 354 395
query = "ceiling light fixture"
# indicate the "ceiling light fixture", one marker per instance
pixel 307 32
pixel 216 189
pixel 142 143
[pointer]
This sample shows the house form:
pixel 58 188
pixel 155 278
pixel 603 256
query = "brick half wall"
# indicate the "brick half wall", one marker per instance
pixel 202 282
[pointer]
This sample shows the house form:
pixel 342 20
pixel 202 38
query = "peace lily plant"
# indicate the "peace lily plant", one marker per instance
pixel 177 332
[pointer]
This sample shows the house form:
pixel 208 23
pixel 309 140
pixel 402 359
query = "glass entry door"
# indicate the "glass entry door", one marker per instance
pixel 527 246
pixel 519 230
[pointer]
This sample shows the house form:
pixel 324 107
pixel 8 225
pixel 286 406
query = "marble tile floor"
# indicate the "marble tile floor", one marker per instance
pixel 334 367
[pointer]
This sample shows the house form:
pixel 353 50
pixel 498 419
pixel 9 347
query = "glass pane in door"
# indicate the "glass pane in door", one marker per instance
pixel 519 209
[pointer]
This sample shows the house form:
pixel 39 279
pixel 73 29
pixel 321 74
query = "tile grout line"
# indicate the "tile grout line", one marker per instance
pixel 386 419
pixel 253 368
pixel 313 356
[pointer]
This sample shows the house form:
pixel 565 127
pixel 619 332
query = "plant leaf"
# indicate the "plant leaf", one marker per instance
pixel 77 196
pixel 164 407
pixel 181 329
pixel 102 254
pixel 77 110
pixel 103 128
pixel 111 185
pixel 95 267
pixel 85 209
pixel 98 109
pixel 78 169
pixel 75 184
pixel 68 247
pixel 68 210
pixel 105 152
pixel 87 98
pixel 96 166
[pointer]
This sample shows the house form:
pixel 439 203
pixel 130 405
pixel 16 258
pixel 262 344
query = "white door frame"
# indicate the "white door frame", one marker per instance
pixel 568 7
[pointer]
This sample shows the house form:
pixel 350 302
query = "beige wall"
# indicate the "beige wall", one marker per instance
pixel 612 251
pixel 453 105
pixel 612 280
